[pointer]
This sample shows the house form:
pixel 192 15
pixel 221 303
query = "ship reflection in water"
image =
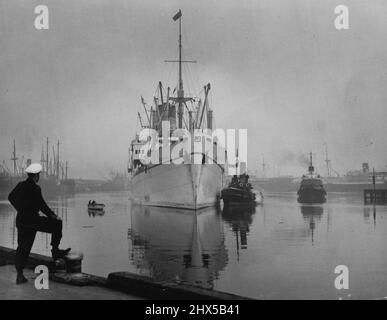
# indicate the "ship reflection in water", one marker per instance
pixel 240 220
pixel 178 245
pixel 312 214
pixel 368 211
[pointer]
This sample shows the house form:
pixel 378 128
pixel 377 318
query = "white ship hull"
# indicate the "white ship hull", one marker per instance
pixel 188 186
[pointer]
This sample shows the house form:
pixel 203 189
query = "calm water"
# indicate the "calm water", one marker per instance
pixel 281 250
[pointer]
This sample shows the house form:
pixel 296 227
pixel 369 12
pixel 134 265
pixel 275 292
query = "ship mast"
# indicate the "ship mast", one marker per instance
pixel 180 92
pixel 181 100
pixel 47 161
pixel 327 161
pixel 42 160
pixel 180 65
pixel 57 162
pixel 14 158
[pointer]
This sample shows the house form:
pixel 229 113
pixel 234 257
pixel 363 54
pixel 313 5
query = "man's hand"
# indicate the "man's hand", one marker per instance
pixel 55 217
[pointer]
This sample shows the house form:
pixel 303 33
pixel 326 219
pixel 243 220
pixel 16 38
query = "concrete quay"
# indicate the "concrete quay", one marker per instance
pixel 80 286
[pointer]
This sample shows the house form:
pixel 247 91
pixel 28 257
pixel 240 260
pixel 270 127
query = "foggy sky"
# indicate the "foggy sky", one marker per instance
pixel 277 67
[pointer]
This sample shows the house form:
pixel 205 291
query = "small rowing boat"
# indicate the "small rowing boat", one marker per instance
pixel 92 205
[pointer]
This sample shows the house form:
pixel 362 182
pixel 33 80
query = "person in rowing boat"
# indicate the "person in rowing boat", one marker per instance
pixel 27 199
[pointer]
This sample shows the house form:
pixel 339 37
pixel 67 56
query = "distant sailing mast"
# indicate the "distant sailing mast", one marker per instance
pixel 263 166
pixel 327 161
pixel 14 158
pixel 47 160
pixel 44 158
pixel 66 170
pixel 57 162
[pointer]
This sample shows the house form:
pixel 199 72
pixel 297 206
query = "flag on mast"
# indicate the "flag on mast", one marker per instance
pixel 177 16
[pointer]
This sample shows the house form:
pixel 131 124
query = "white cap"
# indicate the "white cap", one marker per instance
pixel 34 168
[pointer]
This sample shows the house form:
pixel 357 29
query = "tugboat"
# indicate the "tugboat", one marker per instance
pixel 311 189
pixel 240 191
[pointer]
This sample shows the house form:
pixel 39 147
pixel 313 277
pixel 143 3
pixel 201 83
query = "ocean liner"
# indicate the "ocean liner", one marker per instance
pixel 193 182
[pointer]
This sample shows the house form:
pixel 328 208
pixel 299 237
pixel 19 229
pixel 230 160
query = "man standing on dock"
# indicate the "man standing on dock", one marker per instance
pixel 27 199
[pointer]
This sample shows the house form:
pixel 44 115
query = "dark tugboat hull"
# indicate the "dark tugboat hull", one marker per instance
pixel 311 196
pixel 237 196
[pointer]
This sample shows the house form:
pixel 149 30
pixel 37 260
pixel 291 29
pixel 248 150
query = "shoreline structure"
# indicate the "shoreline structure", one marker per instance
pixel 126 282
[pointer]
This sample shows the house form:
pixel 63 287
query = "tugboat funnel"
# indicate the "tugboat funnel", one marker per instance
pixel 311 168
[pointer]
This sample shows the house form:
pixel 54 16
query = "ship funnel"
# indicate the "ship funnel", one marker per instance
pixel 311 168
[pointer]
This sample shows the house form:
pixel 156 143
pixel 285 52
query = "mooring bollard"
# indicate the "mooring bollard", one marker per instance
pixel 74 262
